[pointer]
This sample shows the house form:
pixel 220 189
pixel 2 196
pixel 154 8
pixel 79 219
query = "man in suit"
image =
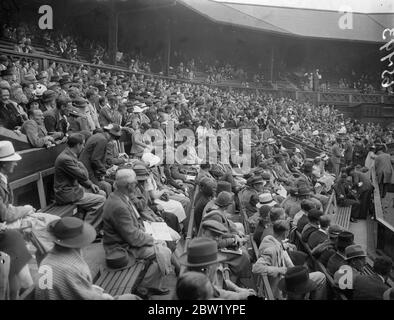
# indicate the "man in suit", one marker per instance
pixel 383 169
pixel 372 287
pixel 338 259
pixel 72 183
pixel 10 117
pixel 93 155
pixel 35 130
pixel 364 189
pixel 274 261
pixel 124 228
pixel 320 235
pixel 336 156
pixel 346 196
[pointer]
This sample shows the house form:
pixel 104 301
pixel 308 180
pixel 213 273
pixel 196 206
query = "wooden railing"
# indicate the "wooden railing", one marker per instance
pixel 332 98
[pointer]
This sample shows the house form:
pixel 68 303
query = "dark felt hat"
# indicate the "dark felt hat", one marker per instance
pixel 201 252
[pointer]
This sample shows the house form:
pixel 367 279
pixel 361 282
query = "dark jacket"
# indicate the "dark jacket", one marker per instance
pixel 123 227
pixel 70 173
pixel 335 262
pixel 369 287
pixel 93 155
pixel 37 135
pixel 307 231
pixel 316 237
pixel 9 116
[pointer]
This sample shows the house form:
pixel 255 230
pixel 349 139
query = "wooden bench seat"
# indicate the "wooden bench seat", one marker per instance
pixel 62 211
pixel 342 217
pixel 123 281
pixel 317 265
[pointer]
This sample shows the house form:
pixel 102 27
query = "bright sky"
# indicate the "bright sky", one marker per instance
pixel 362 6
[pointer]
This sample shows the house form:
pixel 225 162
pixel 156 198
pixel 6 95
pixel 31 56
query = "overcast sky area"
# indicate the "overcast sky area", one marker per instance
pixel 363 6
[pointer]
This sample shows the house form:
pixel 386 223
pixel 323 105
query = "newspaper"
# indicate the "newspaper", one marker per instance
pixel 158 230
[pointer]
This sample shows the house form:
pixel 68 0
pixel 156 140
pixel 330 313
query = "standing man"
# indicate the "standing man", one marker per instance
pixel 383 169
pixel 72 183
pixel 336 156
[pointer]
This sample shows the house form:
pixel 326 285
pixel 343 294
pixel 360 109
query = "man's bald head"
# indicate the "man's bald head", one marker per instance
pixel 124 177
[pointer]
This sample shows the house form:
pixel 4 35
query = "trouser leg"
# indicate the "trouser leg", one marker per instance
pixel 93 205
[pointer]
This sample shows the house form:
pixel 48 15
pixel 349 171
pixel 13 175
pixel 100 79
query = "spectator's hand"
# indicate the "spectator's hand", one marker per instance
pixel 95 188
pixel 245 293
pixel 282 270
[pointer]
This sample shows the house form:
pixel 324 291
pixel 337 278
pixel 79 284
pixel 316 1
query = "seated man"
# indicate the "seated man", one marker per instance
pixel 345 239
pixel 312 225
pixel 239 263
pixel 356 260
pixel 373 286
pixel 193 286
pixel 320 235
pixel 159 197
pixel 202 256
pixel 71 277
pixel 346 196
pixel 123 228
pixel 274 261
pixel 326 249
pixel 72 183
pixel 17 217
pixel 35 130
pixel 93 156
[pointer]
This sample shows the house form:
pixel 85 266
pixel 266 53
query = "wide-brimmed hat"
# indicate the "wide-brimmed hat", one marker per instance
pixel 7 152
pixel 224 199
pixel 30 78
pixel 266 199
pixel 334 231
pixel 304 191
pixel 118 259
pixel 72 232
pixel 80 103
pixel 223 186
pixel 141 172
pixel 114 129
pixel 214 226
pixel 150 159
pixel 354 251
pixel 255 180
pixel 48 96
pixel 201 252
pixel 296 280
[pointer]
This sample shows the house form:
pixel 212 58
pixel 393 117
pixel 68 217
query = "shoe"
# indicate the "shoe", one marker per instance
pixel 158 292
pixel 143 293
pixel 353 220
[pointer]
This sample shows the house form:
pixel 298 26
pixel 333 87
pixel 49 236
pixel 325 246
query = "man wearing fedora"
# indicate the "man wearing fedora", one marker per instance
pixel 202 256
pixel 249 196
pixel 326 249
pixel 373 287
pixel 296 284
pixel 71 278
pixel 356 259
pixel 123 228
pixel 72 183
pixel 345 239
pixel 48 100
pixel 274 261
pixel 239 264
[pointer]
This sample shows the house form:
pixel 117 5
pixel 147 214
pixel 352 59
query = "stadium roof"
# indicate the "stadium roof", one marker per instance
pixel 302 19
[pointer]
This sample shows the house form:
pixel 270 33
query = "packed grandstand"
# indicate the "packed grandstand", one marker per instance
pixel 132 179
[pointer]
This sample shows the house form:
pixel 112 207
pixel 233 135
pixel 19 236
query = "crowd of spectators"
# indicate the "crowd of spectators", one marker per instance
pixel 120 186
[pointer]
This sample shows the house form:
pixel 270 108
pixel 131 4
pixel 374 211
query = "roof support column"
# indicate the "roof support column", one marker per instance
pixel 112 33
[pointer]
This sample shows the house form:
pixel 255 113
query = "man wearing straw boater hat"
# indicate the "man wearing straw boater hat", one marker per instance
pixel 70 274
